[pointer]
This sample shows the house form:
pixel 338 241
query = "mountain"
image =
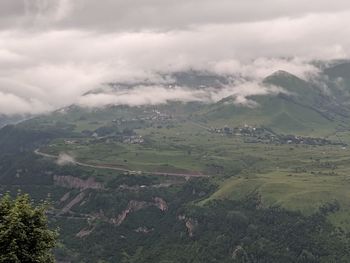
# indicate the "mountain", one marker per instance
pixel 302 108
pixel 338 82
pixel 196 181
pixel 5 119
pixel 197 79
pixel 339 72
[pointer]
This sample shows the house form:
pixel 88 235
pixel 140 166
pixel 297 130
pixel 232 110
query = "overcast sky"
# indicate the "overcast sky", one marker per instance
pixel 53 51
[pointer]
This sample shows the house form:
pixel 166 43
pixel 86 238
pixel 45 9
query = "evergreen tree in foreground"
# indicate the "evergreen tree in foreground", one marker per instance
pixel 24 232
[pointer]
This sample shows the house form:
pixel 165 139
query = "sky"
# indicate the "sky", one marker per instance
pixel 53 51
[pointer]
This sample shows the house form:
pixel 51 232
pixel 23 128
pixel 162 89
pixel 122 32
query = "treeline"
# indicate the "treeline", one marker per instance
pixel 241 231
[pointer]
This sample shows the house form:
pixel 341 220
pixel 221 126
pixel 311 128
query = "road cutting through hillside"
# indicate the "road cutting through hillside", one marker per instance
pixel 107 167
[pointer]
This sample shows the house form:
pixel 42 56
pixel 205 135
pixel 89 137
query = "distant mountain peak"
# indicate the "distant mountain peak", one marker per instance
pixel 279 74
pixel 285 80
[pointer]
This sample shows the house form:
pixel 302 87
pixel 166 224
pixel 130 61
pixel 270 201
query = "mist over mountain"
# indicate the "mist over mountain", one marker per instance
pixel 5 119
pixel 188 131
pixel 52 52
pixel 323 90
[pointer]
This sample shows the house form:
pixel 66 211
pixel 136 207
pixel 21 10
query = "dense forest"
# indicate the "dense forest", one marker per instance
pixel 217 231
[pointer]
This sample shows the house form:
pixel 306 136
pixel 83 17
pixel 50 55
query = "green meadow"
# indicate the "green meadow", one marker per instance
pixel 294 176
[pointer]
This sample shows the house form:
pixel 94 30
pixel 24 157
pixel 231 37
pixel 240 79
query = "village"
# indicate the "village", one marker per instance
pixel 154 115
pixel 253 134
pixel 122 129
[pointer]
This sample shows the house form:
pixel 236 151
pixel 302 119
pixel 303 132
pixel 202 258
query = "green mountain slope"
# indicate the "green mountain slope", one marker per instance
pixel 192 182
pixel 300 109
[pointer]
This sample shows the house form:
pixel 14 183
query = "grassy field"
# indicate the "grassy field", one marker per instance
pixel 297 177
pixel 303 192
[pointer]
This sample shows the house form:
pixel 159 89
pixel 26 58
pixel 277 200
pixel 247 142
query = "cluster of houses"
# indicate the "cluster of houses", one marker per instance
pixel 134 139
pixel 153 115
pixel 126 139
pixel 109 135
pixel 264 135
pixel 239 131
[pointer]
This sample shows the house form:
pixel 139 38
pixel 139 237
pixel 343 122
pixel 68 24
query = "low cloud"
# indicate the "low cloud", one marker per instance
pixel 11 104
pixel 121 15
pixel 44 72
pixel 54 54
pixel 153 95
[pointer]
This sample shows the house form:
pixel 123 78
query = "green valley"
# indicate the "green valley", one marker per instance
pixel 163 183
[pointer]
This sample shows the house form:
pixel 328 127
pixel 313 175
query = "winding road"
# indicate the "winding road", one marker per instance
pixel 107 167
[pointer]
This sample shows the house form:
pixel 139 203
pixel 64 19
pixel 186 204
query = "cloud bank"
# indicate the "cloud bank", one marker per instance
pixel 154 95
pixel 53 51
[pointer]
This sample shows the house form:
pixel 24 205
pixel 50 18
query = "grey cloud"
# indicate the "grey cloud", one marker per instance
pixel 136 15
pixel 56 50
pixel 177 14
pixel 154 95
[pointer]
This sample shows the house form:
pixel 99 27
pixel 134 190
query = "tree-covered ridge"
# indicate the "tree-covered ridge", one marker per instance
pixel 217 231
pixel 226 231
